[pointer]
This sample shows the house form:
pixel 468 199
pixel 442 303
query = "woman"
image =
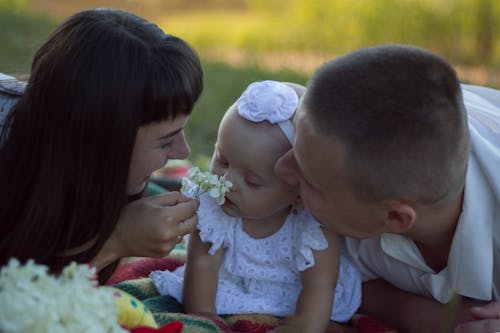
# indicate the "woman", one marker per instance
pixel 106 103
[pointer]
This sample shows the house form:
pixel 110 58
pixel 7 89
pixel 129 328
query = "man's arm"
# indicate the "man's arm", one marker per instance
pixel 413 313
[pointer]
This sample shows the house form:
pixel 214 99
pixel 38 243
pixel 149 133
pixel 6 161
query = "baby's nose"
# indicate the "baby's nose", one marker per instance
pixel 229 175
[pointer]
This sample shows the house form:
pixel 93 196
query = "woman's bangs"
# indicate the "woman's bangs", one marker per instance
pixel 172 90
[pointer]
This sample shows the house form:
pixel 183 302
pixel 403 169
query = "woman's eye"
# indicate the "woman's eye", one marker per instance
pixel 166 145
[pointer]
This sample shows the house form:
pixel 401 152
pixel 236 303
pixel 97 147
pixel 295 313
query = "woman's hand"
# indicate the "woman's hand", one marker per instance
pixel 150 227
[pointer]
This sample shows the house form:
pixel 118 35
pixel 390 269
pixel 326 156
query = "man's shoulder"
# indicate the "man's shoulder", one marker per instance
pixel 475 92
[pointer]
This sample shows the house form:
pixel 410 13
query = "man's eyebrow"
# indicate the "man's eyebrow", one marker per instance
pixel 169 135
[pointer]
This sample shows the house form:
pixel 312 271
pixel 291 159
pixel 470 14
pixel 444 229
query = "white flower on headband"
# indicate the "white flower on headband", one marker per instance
pixel 268 100
pixel 197 181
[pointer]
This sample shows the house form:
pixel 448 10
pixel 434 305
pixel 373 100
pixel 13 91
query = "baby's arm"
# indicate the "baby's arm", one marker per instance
pixel 315 303
pixel 201 277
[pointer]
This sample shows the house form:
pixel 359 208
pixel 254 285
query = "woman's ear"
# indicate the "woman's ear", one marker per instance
pixel 399 216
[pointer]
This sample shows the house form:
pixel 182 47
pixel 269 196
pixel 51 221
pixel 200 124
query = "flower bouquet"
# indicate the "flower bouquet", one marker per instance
pixel 198 182
pixel 32 300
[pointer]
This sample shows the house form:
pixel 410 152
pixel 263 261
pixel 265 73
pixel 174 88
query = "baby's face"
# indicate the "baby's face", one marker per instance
pixel 246 153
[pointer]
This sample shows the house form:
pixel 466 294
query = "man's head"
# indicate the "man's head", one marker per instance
pixel 379 131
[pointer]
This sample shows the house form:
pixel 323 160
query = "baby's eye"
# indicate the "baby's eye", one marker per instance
pixel 253 185
pixel 253 182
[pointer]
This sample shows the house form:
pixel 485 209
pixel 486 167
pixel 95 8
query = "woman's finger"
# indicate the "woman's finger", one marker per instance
pixel 180 212
pixel 168 199
pixel 191 223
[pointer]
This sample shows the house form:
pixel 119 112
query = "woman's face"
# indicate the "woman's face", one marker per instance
pixel 155 144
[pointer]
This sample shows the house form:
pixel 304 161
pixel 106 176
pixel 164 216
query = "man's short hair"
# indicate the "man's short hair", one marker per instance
pixel 399 113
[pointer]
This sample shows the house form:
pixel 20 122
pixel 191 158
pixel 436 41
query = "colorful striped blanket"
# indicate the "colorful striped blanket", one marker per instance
pixel 133 278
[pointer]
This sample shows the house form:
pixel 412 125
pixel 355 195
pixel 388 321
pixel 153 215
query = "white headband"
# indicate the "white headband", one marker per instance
pixel 272 101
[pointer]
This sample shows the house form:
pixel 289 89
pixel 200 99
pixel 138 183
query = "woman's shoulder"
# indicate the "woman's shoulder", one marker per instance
pixel 10 86
pixel 11 90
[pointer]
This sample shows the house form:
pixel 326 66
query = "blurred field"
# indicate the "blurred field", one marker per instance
pixel 241 41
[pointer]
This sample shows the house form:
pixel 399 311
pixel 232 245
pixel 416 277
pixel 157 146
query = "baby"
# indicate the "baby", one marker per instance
pixel 261 251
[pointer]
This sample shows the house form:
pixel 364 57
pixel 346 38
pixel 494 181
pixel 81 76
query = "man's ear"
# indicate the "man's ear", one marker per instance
pixel 399 216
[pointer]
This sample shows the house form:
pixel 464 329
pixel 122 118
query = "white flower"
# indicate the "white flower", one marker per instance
pixel 33 301
pixel 197 181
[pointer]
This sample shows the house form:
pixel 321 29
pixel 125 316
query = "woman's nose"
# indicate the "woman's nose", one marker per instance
pixel 286 168
pixel 181 148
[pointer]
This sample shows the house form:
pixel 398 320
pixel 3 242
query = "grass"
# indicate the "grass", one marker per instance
pixel 21 34
pixel 226 77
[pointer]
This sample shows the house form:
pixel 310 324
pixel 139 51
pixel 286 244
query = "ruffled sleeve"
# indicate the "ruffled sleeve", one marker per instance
pixel 310 238
pixel 214 225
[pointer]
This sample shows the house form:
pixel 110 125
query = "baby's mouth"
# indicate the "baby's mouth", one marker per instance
pixel 228 202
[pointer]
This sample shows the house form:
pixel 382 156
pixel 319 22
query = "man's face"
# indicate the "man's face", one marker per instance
pixel 317 163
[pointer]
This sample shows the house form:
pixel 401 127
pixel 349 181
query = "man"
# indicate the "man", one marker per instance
pixel 393 153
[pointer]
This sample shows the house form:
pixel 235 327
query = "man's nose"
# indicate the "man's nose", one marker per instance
pixel 286 169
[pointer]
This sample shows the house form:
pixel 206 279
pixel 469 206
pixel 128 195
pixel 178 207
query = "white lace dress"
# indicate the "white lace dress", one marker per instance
pixel 263 275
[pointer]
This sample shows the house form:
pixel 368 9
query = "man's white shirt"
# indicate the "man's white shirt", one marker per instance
pixel 473 268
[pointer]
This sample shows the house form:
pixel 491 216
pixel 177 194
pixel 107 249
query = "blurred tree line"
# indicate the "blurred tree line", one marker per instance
pixel 464 31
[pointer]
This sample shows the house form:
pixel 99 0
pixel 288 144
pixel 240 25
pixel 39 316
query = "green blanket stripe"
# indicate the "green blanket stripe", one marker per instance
pixel 140 288
pixel 165 309
pixel 161 304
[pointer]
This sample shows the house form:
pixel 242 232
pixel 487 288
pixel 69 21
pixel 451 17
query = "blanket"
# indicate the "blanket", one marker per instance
pixel 132 277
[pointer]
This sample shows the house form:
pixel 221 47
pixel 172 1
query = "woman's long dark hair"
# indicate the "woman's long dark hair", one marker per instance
pixel 101 75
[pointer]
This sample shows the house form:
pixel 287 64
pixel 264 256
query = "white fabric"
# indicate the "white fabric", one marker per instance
pixel 473 268
pixel 287 128
pixel 268 100
pixel 263 275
